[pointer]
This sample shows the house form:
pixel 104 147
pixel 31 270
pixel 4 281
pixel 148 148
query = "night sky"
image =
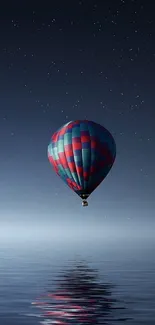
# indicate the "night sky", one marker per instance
pixel 68 60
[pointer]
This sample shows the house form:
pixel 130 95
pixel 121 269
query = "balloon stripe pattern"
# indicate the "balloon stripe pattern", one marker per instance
pixel 82 154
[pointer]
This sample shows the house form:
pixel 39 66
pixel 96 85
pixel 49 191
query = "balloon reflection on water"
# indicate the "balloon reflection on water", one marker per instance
pixel 80 299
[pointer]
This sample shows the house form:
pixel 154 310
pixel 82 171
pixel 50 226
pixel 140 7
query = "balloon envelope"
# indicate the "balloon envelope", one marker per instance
pixel 82 154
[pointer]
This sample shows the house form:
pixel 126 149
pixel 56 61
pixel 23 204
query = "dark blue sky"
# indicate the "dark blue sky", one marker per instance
pixel 68 60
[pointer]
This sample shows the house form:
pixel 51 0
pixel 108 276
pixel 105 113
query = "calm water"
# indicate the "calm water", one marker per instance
pixel 43 283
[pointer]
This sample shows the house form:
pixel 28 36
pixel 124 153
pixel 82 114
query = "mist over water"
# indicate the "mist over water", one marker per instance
pixel 84 228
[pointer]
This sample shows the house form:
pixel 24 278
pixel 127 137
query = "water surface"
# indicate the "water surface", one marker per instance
pixel 32 270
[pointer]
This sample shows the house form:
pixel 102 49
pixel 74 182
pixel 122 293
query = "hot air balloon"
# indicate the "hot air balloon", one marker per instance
pixel 82 153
